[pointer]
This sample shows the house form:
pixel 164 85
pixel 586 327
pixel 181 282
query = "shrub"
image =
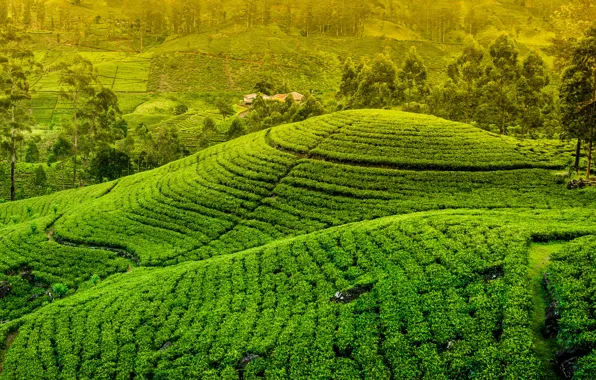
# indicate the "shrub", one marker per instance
pixel 237 129
pixel 60 290
pixel 180 109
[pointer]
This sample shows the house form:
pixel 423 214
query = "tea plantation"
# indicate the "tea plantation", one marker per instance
pixel 360 244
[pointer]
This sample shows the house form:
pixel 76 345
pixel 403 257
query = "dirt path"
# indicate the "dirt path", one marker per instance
pixel 4 348
pixel 545 348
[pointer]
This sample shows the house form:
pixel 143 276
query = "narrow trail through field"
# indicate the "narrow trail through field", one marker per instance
pixel 539 258
pixel 4 348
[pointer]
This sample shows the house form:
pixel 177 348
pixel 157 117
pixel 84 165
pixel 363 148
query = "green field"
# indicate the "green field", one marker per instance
pixel 326 242
pixel 360 244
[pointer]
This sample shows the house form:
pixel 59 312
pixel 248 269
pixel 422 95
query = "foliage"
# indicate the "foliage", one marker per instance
pixel 237 129
pixel 578 93
pixel 442 293
pixel 76 80
pixel 40 178
pixel 570 23
pixel 109 164
pixel 269 113
pixel 16 65
pixel 166 146
pixel 571 284
pixel 225 108
pixel 59 290
pixel 32 154
pixel 414 73
pixel 503 94
pixel 375 84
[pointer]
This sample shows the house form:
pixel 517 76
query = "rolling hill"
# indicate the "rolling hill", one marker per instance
pixel 225 59
pixel 359 244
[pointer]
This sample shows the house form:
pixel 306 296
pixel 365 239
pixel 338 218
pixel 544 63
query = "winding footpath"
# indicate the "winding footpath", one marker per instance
pixel 539 259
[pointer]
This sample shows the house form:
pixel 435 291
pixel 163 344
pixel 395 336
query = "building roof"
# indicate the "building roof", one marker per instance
pixel 280 97
pixel 296 96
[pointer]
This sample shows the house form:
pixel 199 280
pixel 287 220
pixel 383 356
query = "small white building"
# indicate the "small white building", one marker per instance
pixel 250 98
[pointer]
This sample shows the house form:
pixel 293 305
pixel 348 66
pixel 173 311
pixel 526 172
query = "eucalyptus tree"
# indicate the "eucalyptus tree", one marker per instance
pixel 16 66
pixel 578 95
pixel 414 73
pixel 78 80
pixel 101 123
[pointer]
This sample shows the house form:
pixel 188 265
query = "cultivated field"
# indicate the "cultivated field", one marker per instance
pixel 360 244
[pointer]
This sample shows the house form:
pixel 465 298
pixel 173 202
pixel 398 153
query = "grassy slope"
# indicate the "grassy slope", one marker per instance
pixel 319 175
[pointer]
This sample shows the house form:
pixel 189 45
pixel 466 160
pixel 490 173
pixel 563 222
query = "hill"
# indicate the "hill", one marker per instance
pixel 360 244
pixel 324 172
pixel 160 67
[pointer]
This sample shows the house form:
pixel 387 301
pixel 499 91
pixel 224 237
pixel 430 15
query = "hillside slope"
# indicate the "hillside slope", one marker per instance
pixel 439 295
pixel 288 253
pixel 324 172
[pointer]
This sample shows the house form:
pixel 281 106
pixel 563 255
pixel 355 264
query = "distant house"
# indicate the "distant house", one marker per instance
pixel 298 97
pixel 279 97
pixel 250 98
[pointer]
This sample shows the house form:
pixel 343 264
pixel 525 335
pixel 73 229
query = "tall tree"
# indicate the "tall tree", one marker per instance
pixel 27 12
pixel 225 108
pixel 532 99
pixel 578 94
pixel 465 73
pixel 414 72
pixel 370 84
pixel 167 146
pixel 377 86
pixel 3 11
pixel 144 146
pixel 570 23
pixel 499 92
pixel 16 65
pixel 109 164
pixel 41 14
pixel 77 80
pixel 349 80
pixel 100 123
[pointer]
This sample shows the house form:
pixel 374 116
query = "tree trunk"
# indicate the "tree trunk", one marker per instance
pixel 577 155
pixel 589 170
pixel 75 147
pixel 13 164
pixel 13 159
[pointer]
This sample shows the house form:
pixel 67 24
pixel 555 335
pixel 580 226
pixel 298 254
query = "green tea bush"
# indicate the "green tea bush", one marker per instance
pixel 440 293
pixel 429 311
pixel 571 283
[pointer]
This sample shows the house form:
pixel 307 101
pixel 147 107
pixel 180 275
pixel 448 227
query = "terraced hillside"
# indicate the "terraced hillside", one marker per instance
pixel 304 177
pixel 361 244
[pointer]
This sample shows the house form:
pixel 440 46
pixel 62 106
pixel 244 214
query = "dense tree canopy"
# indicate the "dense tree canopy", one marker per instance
pixel 578 93
pixel 497 90
pixel 17 64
